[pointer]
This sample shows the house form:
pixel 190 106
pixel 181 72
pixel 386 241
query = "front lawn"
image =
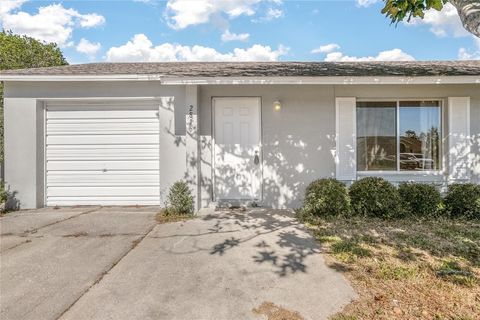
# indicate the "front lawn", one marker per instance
pixel 405 269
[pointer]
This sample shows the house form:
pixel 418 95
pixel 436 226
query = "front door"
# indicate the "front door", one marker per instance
pixel 237 149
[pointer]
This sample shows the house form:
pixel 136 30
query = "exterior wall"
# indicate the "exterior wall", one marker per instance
pixel 24 121
pixel 21 150
pixel 298 142
pixel 434 92
pixel 475 131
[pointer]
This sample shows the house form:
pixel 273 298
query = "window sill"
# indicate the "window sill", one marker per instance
pixel 402 173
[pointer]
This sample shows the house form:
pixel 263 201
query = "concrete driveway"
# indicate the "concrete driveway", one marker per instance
pixel 117 263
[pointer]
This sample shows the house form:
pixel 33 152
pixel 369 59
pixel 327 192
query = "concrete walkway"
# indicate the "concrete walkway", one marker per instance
pixel 117 263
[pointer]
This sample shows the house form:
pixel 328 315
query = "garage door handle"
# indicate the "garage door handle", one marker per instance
pixel 104 170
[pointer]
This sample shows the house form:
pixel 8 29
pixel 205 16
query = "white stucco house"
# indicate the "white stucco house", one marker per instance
pixel 122 133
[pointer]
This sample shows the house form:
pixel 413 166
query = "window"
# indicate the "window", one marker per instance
pixel 398 136
pixel 376 136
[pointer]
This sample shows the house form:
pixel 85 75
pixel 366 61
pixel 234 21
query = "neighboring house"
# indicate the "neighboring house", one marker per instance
pixel 121 134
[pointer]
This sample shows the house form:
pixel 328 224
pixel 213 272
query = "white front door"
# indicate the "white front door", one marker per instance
pixel 237 149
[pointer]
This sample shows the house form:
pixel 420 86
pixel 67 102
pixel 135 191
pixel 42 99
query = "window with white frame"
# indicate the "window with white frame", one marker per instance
pixel 399 135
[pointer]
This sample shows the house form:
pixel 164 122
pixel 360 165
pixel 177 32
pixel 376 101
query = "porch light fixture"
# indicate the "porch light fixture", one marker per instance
pixel 277 105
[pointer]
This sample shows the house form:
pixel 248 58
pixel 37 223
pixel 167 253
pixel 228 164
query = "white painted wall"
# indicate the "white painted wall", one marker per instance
pixel 21 150
pixel 24 121
pixel 298 141
pixel 434 92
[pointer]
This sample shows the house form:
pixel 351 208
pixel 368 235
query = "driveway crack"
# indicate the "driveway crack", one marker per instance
pixel 35 230
pixel 100 277
pixel 28 234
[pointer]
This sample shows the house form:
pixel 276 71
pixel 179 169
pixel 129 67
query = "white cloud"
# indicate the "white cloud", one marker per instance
pixel 228 36
pixel 88 48
pixel 273 13
pixel 465 54
pixel 7 6
pixel 90 20
pixel 52 23
pixel 366 3
pixel 442 23
pixel 183 13
pixel 326 48
pixel 389 55
pixel 270 14
pixel 140 48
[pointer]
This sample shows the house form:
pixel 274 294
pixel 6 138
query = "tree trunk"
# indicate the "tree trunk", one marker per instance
pixel 469 12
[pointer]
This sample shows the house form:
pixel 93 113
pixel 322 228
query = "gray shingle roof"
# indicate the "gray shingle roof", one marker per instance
pixel 262 69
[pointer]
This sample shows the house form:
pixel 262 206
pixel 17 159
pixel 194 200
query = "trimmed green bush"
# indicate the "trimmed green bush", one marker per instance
pixel 179 200
pixel 463 201
pixel 419 199
pixel 326 197
pixel 3 194
pixel 375 197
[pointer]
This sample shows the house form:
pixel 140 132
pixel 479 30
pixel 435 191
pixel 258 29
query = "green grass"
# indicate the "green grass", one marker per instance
pixel 453 271
pixel 162 218
pixel 389 271
pixel 349 250
pixel 405 269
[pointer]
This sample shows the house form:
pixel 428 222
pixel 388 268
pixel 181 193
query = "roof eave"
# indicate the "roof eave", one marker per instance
pixel 466 79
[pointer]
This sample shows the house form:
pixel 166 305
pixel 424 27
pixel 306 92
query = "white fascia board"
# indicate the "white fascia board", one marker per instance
pixel 116 77
pixel 325 80
pixel 250 80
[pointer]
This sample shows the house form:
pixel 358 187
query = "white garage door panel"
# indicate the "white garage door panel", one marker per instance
pixel 104 166
pixel 106 201
pixel 130 191
pixel 81 152
pixel 107 155
pixel 105 127
pixel 102 139
pixel 89 112
pixel 67 179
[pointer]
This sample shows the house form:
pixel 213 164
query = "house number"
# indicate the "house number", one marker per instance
pixel 190 118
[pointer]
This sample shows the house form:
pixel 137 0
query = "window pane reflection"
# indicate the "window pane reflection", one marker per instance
pixel 419 135
pixel 376 136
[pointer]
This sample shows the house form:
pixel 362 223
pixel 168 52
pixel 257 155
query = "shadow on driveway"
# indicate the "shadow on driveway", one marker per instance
pixel 220 265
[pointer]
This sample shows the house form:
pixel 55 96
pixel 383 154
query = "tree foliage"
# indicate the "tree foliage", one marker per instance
pixel 400 10
pixel 17 52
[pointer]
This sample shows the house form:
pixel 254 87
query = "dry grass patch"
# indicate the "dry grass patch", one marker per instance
pixel 274 312
pixel 161 217
pixel 406 269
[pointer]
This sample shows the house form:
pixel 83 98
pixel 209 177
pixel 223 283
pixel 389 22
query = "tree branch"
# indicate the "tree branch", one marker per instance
pixel 469 12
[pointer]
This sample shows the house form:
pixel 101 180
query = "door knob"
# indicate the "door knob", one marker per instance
pixel 256 159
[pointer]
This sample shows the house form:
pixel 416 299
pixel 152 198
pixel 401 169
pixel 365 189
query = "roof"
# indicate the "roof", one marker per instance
pixel 260 69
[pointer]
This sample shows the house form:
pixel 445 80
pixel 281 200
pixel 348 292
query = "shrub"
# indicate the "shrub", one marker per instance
pixel 375 197
pixel 326 197
pixel 3 199
pixel 463 201
pixel 419 199
pixel 3 194
pixel 179 200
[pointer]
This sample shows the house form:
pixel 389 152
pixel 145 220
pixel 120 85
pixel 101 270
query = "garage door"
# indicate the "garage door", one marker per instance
pixel 102 155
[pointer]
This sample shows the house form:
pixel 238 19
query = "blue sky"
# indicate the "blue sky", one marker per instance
pixel 142 30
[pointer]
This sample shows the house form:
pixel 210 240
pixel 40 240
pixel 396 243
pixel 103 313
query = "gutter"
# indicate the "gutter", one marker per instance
pixel 336 80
